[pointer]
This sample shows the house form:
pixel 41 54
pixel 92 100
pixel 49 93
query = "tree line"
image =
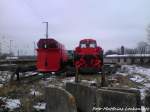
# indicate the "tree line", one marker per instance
pixel 142 47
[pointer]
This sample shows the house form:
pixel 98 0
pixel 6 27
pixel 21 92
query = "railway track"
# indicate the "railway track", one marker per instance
pixel 28 75
pixel 31 78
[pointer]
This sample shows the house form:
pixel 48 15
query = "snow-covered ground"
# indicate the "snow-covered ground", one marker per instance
pixel 68 79
pixel 13 103
pixel 40 106
pixel 137 74
pixel 10 104
pixel 4 77
pixel 136 69
pixel 35 92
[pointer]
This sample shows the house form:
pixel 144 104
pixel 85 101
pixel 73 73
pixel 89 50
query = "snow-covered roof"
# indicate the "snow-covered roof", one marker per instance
pixel 128 55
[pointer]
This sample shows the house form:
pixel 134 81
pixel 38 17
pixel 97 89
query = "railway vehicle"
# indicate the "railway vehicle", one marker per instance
pixel 88 56
pixel 51 55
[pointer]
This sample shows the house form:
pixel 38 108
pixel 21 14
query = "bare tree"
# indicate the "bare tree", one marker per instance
pixel 142 47
pixel 148 32
pixel 129 51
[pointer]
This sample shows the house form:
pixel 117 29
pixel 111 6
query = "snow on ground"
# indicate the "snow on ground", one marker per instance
pixel 143 109
pixel 136 69
pixel 5 77
pixel 87 82
pixel 142 91
pixel 35 93
pixel 1 85
pixel 26 74
pixel 139 75
pixel 11 104
pixel 137 78
pixel 68 79
pixel 53 80
pixel 40 106
pixel 50 80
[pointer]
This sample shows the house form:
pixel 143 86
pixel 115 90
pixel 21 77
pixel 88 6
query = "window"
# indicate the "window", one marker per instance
pixel 45 45
pixel 88 44
pixel 83 45
pixel 92 45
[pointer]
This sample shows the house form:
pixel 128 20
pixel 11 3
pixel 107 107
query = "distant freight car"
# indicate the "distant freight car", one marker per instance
pixel 88 57
pixel 51 55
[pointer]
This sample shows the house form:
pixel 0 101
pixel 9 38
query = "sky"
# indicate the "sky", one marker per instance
pixel 111 22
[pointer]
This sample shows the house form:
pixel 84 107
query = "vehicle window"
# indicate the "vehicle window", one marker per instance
pixel 92 45
pixel 83 45
pixel 45 45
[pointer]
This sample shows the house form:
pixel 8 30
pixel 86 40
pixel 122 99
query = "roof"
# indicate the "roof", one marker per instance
pixel 83 40
pixel 127 55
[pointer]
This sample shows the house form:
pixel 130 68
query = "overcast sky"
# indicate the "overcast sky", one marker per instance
pixel 111 22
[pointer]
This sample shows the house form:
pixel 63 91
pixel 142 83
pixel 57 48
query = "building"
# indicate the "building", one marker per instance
pixel 128 59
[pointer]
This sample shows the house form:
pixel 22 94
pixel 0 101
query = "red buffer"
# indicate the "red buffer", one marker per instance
pixel 88 57
pixel 51 55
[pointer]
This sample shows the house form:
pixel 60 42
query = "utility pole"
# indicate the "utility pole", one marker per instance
pixel 10 47
pixel 10 50
pixel 46 29
pixel 0 48
pixel 34 48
